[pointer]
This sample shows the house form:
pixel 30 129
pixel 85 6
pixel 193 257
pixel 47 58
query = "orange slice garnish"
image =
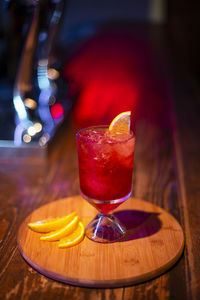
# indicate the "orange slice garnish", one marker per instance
pixel 74 238
pixel 60 233
pixel 121 123
pixel 51 224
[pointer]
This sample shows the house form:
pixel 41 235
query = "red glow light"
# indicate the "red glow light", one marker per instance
pixel 57 111
pixel 115 71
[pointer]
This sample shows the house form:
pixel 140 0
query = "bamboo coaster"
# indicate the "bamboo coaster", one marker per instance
pixel 154 243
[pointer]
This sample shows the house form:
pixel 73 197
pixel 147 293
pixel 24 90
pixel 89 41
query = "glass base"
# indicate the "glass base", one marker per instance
pixel 105 207
pixel 105 229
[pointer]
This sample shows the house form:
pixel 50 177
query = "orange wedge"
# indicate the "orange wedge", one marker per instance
pixel 60 233
pixel 48 225
pixel 74 238
pixel 121 123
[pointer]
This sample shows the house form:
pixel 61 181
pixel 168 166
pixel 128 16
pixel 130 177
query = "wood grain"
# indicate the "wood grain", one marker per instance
pixel 154 243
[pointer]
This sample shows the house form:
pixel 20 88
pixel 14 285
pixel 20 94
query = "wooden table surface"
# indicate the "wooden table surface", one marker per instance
pixel 166 173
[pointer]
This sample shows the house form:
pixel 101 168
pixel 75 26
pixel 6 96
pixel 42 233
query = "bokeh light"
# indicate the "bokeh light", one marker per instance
pixel 30 103
pixel 53 74
pixel 31 131
pixel 38 127
pixel 57 111
pixel 27 138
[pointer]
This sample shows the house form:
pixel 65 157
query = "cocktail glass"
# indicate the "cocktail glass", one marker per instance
pixel 105 173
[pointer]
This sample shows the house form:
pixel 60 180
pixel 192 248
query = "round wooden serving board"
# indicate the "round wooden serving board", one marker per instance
pixel 153 244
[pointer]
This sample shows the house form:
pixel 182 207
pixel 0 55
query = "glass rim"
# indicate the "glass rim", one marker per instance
pixel 105 126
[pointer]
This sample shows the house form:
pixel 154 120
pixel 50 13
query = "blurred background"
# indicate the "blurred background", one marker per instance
pixel 89 61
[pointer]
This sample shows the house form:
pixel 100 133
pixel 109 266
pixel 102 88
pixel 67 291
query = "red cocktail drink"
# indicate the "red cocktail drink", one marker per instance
pixel 105 167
